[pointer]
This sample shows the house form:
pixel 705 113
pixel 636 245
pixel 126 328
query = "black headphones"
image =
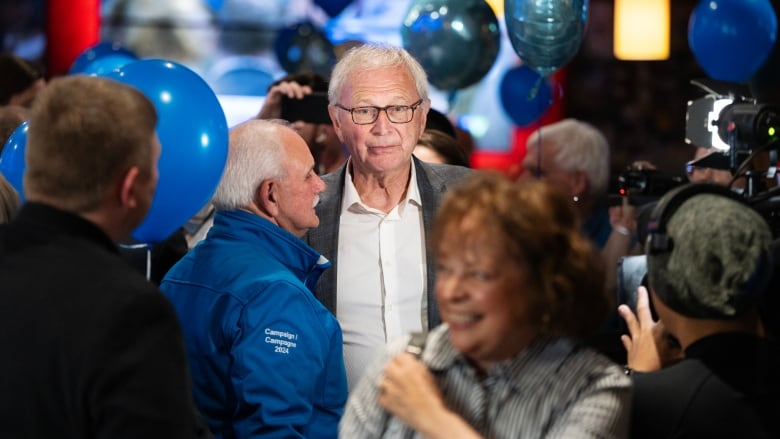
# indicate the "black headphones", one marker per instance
pixel 659 244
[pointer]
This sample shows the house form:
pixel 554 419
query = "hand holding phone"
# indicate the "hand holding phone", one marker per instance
pixel 312 108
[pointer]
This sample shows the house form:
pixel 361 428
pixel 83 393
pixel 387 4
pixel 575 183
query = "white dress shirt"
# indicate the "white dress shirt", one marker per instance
pixel 381 275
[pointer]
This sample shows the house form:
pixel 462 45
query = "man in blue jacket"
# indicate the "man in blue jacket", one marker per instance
pixel 266 356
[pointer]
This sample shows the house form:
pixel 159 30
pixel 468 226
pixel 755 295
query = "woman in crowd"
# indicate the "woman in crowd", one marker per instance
pixel 435 146
pixel 516 290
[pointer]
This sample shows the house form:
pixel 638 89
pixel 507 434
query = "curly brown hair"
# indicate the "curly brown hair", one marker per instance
pixel 539 229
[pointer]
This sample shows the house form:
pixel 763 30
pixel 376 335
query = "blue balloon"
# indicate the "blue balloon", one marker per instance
pixel 456 41
pixel 215 5
pixel 731 39
pixel 102 59
pixel 240 75
pixel 193 133
pixel 12 164
pixel 546 34
pixel 525 95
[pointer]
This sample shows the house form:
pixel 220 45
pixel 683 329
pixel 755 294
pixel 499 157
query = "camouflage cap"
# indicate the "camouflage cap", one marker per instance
pixel 720 260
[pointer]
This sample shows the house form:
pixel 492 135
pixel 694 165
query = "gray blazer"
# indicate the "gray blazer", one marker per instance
pixel 433 180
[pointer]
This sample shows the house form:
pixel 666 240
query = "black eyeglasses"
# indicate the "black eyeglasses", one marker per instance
pixel 395 113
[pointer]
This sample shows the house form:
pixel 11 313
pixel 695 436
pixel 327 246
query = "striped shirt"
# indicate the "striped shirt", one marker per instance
pixel 553 389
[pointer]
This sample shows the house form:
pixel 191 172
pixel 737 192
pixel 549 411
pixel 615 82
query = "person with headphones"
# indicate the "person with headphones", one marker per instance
pixel 710 265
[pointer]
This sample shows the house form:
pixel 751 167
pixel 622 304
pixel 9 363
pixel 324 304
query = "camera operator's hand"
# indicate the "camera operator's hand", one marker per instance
pixel 409 391
pixel 641 343
pixel 272 105
pixel 622 218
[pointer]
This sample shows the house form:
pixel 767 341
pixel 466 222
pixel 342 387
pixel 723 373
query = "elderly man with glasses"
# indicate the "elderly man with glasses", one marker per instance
pixel 379 205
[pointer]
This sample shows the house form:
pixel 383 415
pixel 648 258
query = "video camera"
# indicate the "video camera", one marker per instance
pixel 642 185
pixel 745 138
pixel 741 131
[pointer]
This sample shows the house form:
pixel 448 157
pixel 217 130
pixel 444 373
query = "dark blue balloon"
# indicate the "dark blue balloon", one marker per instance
pixel 546 34
pixel 101 59
pixel 333 7
pixel 193 133
pixel 303 47
pixel 731 39
pixel 525 95
pixel 456 41
pixel 12 164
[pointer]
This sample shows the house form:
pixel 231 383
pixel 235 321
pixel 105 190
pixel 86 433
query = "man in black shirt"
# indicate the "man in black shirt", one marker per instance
pixel 709 259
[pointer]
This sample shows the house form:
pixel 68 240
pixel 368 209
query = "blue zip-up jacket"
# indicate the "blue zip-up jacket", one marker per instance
pixel 265 356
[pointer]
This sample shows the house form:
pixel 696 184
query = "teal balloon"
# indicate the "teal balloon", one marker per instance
pixel 456 41
pixel 193 133
pixel 12 163
pixel 545 34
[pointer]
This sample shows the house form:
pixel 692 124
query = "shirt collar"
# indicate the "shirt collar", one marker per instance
pixel 352 199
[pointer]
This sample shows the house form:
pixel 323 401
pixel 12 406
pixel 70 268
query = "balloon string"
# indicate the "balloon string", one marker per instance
pixel 535 89
pixel 559 92
pixel 148 263
pixel 539 148
pixel 539 129
pixel 451 99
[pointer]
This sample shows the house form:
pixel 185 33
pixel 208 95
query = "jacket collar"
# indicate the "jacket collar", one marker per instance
pixel 293 252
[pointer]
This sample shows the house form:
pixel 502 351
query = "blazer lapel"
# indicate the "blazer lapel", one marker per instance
pixel 325 238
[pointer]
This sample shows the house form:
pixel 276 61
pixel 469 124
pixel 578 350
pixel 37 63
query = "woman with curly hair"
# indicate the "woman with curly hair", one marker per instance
pixel 518 286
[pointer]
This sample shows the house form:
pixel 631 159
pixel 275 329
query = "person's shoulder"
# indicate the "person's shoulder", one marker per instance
pixel 689 399
pixel 84 258
pixel 283 289
pixel 443 173
pixel 446 169
pixel 669 387
pixel 567 364
pixel 590 361
pixel 685 371
pixel 333 177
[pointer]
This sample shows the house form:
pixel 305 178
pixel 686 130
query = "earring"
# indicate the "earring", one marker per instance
pixel 575 198
pixel 320 138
